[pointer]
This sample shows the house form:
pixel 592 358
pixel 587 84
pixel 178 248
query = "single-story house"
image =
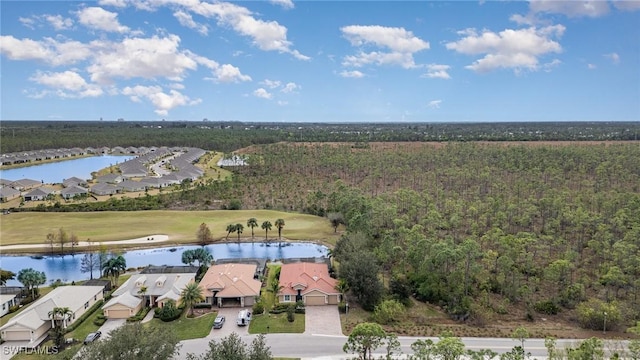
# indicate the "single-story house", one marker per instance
pixel 110 178
pixel 38 194
pixel 25 184
pixel 7 301
pixel 153 289
pixel 104 189
pixel 129 185
pixel 73 191
pixel 230 285
pixel 8 193
pixel 309 282
pixel 73 181
pixel 33 323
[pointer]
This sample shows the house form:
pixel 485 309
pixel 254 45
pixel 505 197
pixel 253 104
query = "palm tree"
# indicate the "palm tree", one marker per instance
pixel 239 229
pixel 142 292
pixel 191 294
pixel 275 288
pixel 230 228
pixel 342 287
pixel 59 316
pixel 279 224
pixel 253 222
pixel 266 226
pixel 114 267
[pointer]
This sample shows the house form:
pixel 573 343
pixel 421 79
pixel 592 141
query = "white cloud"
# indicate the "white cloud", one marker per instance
pixel 402 44
pixel 614 57
pixel 574 8
pixel 48 50
pixel 58 22
pixel 352 74
pixel 271 84
pixel 591 66
pixel 114 3
pixel 286 4
pixel 101 19
pixel 68 84
pixel 147 58
pixel 185 19
pixel 262 93
pixel 28 22
pixel 434 104
pixel 162 101
pixel 515 49
pixel 437 71
pixel 628 5
pixel 290 87
pixel 228 73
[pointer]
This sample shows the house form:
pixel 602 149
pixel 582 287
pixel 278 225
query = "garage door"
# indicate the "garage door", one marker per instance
pixel 17 335
pixel 118 314
pixel 314 300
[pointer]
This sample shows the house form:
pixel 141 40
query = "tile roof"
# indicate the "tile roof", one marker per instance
pixel 230 280
pixel 310 276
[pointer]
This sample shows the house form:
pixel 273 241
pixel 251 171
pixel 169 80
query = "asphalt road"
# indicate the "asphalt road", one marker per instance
pixel 330 347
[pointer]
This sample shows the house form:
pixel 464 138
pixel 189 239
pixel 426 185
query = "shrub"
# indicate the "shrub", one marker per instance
pixel 140 315
pixel 591 314
pixel 169 311
pixel 81 319
pixel 342 307
pixel 388 311
pixel 14 308
pixel 279 308
pixel 258 308
pixel 572 296
pixel 99 322
pixel 548 307
pixel 291 313
pixel 400 289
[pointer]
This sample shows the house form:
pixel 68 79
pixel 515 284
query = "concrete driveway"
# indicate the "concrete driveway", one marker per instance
pixel 322 320
pixel 229 326
pixel 109 325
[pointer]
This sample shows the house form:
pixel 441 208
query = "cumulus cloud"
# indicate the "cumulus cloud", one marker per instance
pixel 185 19
pixel 271 84
pixel 434 104
pixel 67 84
pixel 228 73
pixel 614 57
pixel 591 66
pixel 399 43
pixel 290 87
pixel 48 50
pixel 101 19
pixel 287 4
pixel 437 71
pixel 513 49
pixel 589 8
pixel 147 58
pixel 352 74
pixel 163 102
pixel 58 22
pixel 262 93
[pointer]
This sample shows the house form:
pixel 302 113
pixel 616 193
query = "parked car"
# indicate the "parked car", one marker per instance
pixel 244 316
pixel 218 322
pixel 92 337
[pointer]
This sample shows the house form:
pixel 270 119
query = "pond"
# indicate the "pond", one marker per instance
pixel 67 268
pixel 57 172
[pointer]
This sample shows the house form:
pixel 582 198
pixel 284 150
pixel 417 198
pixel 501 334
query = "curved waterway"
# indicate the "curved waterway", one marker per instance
pixel 67 268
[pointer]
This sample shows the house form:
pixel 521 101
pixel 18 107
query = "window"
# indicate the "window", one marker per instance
pixel 287 298
pixel 86 305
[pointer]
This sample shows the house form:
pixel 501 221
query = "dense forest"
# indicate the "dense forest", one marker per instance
pixel 480 228
pixel 228 136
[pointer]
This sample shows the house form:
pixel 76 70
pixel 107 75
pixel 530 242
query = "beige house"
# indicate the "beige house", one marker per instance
pixel 230 285
pixel 309 282
pixel 152 289
pixel 33 323
pixel 122 307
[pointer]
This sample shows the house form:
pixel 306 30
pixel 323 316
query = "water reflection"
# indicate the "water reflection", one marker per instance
pixel 67 268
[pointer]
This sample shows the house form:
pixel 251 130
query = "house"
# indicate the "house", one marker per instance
pixel 25 184
pixel 104 189
pixel 73 181
pixel 7 301
pixel 38 194
pixel 230 285
pixel 130 185
pixel 309 282
pixel 33 323
pixel 110 178
pixel 8 193
pixel 73 191
pixel 153 289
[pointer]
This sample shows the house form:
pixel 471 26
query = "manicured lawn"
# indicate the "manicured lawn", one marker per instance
pixel 186 328
pixel 180 226
pixel 269 298
pixel 276 323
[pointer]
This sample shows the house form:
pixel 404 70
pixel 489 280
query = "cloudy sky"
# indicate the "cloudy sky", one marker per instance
pixel 321 61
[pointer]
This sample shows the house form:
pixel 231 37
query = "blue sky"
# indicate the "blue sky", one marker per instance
pixel 321 61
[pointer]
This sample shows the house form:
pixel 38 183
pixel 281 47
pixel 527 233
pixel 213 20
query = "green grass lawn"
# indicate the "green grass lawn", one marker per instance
pixel 180 226
pixel 268 298
pixel 188 328
pixel 276 323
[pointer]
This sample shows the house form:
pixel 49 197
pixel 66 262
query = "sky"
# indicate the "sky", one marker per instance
pixel 320 61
